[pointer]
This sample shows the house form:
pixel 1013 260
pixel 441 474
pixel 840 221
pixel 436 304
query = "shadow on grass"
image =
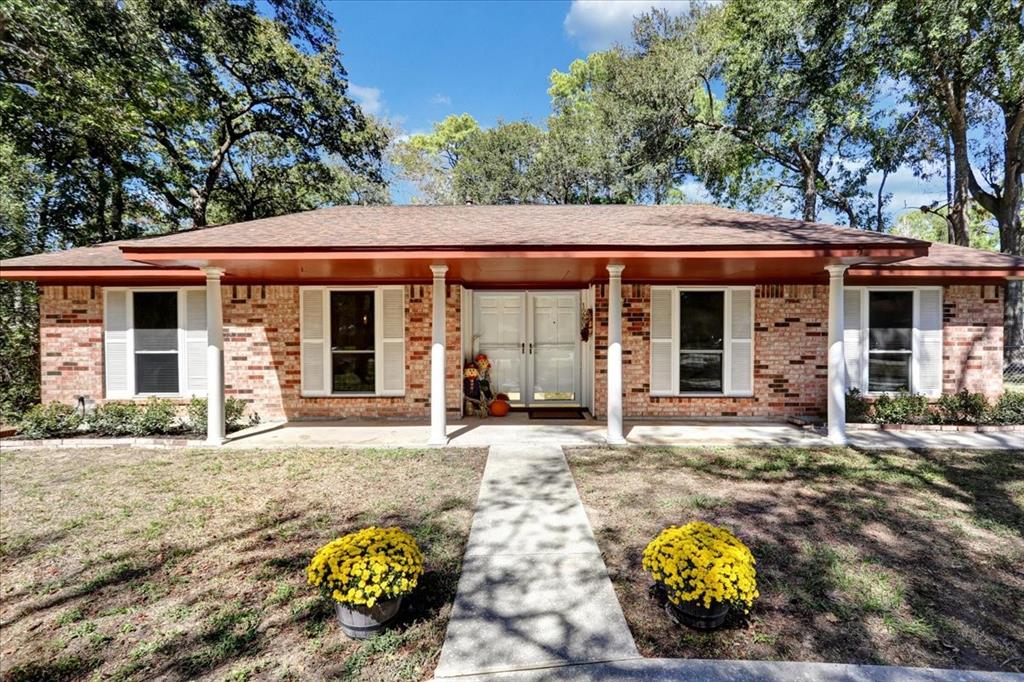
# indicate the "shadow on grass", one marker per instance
pixel 863 557
pixel 232 617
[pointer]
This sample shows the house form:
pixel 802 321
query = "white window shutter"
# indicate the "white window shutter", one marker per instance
pixel 741 342
pixel 195 341
pixel 391 349
pixel 928 341
pixel 115 344
pixel 852 344
pixel 662 330
pixel 313 335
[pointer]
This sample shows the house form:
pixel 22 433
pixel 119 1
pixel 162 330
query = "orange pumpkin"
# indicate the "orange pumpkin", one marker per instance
pixel 499 408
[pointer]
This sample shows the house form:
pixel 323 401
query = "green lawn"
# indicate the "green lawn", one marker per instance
pixel 131 564
pixel 891 558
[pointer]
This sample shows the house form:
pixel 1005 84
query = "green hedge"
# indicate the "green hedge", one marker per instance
pixel 54 420
pixel 962 407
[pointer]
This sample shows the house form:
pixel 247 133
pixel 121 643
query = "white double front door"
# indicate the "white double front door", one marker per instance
pixel 532 340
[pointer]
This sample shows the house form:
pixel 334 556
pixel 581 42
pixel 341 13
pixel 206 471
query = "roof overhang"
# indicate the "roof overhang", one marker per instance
pixel 548 266
pixel 104 276
pixel 865 274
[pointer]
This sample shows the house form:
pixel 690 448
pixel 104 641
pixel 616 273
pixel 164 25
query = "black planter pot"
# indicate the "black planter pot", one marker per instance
pixel 696 615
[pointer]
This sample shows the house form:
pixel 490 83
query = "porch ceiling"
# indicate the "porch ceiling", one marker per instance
pixel 532 267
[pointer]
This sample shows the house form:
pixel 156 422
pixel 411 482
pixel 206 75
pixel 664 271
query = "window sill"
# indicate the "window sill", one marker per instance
pixel 342 396
pixel 702 395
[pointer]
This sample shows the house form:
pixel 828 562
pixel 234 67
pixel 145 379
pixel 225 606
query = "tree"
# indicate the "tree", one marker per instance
pixel 496 165
pixel 964 64
pixel 933 226
pixel 237 74
pixel 798 82
pixel 429 159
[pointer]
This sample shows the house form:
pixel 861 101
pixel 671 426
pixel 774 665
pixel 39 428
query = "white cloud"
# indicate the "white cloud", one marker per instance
pixel 443 100
pixel 600 24
pixel 368 98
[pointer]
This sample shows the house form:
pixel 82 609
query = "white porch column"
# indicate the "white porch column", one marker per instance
pixel 214 358
pixel 438 422
pixel 836 356
pixel 615 355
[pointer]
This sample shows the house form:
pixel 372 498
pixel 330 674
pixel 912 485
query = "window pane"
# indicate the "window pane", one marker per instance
pixel 700 372
pixel 352 373
pixel 352 320
pixel 888 371
pixel 701 320
pixel 156 372
pixel 891 314
pixel 155 320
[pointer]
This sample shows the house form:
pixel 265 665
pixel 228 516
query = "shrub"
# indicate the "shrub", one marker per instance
pixel 116 419
pixel 1009 409
pixel 234 410
pixel 368 566
pixel 158 416
pixel 50 421
pixel 702 563
pixel 901 408
pixel 962 407
pixel 858 410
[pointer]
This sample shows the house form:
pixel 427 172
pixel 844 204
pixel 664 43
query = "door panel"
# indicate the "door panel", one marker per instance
pixel 555 351
pixel 499 327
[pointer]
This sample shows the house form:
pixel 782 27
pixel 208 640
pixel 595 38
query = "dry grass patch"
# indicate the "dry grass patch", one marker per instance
pixel 131 564
pixel 894 558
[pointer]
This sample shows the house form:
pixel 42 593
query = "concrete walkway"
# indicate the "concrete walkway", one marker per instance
pixel 534 591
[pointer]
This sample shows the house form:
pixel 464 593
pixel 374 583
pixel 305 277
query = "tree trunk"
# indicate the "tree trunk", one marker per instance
pixel 199 204
pixel 810 194
pixel 958 218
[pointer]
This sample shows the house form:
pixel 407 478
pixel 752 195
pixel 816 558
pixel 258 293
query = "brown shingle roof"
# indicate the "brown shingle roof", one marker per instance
pixel 942 256
pixel 384 227
pixel 685 226
pixel 106 255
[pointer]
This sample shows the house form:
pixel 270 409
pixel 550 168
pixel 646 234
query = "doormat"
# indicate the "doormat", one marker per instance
pixel 557 413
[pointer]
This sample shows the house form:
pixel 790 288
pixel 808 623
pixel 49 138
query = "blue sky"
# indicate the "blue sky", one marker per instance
pixel 416 62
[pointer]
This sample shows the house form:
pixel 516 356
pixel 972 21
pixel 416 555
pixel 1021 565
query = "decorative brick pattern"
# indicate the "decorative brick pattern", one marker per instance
pixel 261 352
pixel 972 355
pixel 790 351
pixel 71 342
pixel 262 363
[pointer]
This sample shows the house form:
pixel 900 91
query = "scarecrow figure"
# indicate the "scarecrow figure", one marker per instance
pixel 483 366
pixel 472 397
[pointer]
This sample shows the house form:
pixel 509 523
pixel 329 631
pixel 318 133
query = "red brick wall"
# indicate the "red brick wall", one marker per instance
pixel 790 332
pixel 790 352
pixel 972 355
pixel 261 352
pixel 71 343
pixel 261 356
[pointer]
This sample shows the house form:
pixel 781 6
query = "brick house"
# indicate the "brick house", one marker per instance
pixel 625 311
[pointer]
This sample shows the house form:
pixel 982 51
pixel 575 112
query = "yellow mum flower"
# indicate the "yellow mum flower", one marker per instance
pixel 702 563
pixel 370 565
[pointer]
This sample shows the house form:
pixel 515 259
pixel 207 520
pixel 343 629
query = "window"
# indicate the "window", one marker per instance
pixel 893 338
pixel 701 341
pixel 155 315
pixel 154 342
pixel 890 340
pixel 353 342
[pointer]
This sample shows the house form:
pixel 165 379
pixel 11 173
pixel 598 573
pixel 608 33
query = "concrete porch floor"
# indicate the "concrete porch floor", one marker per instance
pixel 519 428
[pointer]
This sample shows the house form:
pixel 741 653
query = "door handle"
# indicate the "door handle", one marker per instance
pixel 522 347
pixel 531 348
